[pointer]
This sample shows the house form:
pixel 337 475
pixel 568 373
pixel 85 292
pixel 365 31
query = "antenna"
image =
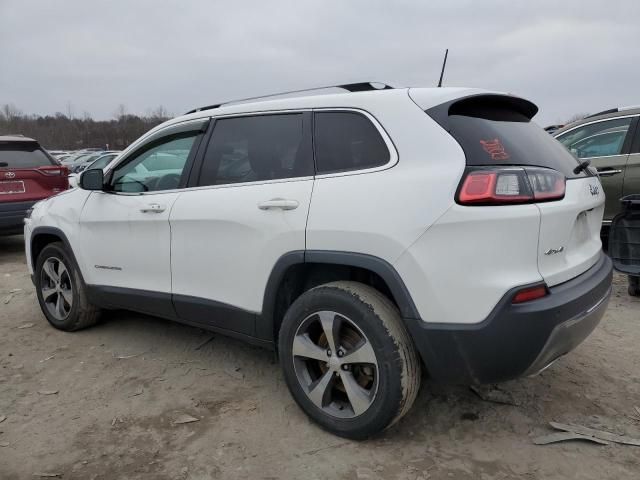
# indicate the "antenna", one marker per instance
pixel 444 64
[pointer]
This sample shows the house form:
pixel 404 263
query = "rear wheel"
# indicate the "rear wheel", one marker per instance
pixel 348 360
pixel 61 292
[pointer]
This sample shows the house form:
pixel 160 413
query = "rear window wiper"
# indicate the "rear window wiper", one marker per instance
pixel 581 167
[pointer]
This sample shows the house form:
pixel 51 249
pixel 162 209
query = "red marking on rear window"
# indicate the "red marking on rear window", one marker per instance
pixel 495 149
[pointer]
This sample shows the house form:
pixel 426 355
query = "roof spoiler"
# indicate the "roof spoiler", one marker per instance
pixel 491 106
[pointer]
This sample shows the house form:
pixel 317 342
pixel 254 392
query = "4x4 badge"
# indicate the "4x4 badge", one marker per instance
pixel 553 251
pixel 594 190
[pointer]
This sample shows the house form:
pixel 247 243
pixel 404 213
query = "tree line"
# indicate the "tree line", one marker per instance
pixel 65 132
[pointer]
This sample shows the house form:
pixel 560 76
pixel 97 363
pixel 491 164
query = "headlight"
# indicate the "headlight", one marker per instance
pixel 29 211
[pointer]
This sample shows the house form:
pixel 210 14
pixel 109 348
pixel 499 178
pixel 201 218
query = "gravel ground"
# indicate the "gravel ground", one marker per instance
pixel 120 387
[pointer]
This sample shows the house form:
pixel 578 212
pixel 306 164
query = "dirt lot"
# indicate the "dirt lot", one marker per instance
pixel 121 385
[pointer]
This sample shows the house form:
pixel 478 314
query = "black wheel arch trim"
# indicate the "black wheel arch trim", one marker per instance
pixel 63 238
pixel 266 322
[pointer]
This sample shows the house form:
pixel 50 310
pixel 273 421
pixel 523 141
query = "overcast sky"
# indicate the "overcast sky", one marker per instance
pixel 567 56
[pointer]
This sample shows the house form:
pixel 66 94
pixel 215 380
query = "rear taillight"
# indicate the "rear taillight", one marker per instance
pixel 510 185
pixel 530 293
pixel 57 171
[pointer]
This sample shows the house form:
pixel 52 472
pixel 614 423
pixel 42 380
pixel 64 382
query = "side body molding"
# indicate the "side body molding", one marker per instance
pixel 194 311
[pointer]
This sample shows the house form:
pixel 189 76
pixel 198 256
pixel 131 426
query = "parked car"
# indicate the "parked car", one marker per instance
pixel 56 153
pixel 63 156
pixel 610 141
pixel 101 162
pixel 83 155
pixel 27 174
pixel 551 129
pixel 364 235
pixel 83 162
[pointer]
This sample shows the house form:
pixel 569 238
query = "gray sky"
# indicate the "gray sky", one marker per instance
pixel 567 56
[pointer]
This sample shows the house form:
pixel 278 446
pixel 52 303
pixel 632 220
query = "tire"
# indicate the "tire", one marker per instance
pixel 387 371
pixel 54 295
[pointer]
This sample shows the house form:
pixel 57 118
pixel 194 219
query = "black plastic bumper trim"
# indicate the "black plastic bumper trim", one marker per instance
pixel 516 340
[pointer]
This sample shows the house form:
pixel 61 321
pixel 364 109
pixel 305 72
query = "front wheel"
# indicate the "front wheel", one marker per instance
pixel 348 360
pixel 61 292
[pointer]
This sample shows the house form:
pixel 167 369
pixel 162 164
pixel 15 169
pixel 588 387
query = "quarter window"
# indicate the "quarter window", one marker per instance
pixel 347 141
pixel 159 167
pixel 597 139
pixel 256 148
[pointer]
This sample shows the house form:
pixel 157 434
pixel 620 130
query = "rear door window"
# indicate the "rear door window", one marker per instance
pixel 257 148
pixel 347 141
pixel 23 155
pixel 598 139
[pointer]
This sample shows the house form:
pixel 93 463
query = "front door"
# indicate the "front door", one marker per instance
pixel 125 233
pixel 247 208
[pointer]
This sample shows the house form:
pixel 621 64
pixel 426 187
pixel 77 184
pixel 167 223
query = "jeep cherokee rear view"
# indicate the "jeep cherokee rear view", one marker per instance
pixel 367 236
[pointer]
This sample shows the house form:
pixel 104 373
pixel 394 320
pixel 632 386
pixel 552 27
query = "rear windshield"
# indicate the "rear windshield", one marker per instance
pixel 499 135
pixel 23 155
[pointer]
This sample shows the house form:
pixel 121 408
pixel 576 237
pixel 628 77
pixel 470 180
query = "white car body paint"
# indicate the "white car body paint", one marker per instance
pixel 215 243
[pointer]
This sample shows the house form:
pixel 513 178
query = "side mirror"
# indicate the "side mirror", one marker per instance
pixel 92 180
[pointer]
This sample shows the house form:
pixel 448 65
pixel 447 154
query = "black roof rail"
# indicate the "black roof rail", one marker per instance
pixel 611 110
pixel 349 87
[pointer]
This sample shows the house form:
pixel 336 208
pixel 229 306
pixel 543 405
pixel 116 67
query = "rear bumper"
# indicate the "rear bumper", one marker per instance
pixel 516 340
pixel 12 217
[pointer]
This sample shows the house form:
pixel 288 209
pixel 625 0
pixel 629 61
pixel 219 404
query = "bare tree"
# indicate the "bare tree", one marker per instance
pixel 160 113
pixel 120 112
pixel 10 112
pixel 69 110
pixel 59 131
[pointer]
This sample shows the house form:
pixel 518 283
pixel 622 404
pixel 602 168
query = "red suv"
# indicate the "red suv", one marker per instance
pixel 27 174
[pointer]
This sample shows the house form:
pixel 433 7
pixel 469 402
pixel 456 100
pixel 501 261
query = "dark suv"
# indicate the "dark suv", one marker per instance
pixel 610 140
pixel 27 174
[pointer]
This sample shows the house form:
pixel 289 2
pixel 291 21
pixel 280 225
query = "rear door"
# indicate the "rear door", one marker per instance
pixel 605 143
pixel 28 173
pixel 247 208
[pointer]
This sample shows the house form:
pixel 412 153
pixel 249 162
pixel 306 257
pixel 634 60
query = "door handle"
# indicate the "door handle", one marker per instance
pixel 608 172
pixel 280 203
pixel 153 208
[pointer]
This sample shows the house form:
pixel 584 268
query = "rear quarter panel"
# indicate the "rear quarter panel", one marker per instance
pixel 463 265
pixel 382 213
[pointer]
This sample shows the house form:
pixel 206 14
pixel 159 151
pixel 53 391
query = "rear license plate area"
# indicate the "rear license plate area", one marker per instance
pixel 15 186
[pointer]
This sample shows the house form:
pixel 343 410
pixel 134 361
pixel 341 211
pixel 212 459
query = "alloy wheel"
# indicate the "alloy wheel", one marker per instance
pixel 56 288
pixel 335 364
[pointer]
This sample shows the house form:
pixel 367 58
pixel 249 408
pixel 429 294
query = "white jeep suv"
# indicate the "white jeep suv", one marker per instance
pixel 366 235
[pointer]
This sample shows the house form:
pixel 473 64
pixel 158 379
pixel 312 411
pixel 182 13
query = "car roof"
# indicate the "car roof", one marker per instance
pixel 605 115
pixel 426 97
pixel 16 138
